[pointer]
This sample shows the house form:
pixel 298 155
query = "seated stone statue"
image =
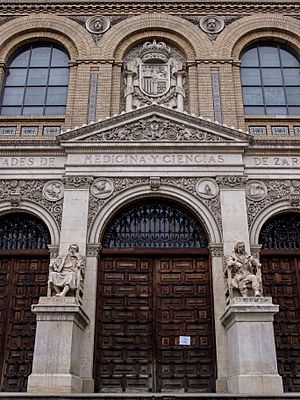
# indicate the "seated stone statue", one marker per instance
pixel 66 273
pixel 243 273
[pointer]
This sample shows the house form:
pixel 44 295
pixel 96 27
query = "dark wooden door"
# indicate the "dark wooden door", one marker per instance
pixel 145 305
pixel 281 280
pixel 22 281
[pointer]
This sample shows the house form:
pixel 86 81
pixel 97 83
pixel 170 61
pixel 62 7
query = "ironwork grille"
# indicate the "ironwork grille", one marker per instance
pixel 23 231
pixel 155 225
pixel 281 232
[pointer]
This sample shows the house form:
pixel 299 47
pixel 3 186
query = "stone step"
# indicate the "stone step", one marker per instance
pixel 147 396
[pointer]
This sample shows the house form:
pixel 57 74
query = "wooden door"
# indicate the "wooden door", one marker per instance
pixel 145 305
pixel 22 281
pixel 281 280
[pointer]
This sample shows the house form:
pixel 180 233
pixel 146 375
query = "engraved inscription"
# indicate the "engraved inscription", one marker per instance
pixel 27 162
pixel 141 159
pixel 277 161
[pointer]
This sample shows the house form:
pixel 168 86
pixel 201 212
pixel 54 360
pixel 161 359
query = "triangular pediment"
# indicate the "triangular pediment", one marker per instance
pixel 154 123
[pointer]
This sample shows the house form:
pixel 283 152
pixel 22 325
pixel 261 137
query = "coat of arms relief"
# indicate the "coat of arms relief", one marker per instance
pixel 155 72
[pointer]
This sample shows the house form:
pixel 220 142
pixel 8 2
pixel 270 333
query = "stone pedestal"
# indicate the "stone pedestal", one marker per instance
pixel 57 351
pixel 251 346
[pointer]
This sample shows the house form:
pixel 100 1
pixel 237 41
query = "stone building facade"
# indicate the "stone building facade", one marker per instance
pixel 153 135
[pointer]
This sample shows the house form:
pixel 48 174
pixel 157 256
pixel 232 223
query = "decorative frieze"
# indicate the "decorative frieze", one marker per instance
pixel 257 130
pixel 93 91
pixel 53 190
pixel 155 128
pixel 288 189
pixel 51 130
pixel 32 190
pixel 8 130
pixel 29 130
pixel 231 181
pixel 77 182
pixel 187 184
pixel 280 130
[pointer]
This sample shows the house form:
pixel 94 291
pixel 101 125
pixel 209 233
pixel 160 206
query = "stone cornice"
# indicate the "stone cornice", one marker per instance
pixel 174 6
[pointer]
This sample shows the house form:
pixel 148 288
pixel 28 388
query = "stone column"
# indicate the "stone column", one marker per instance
pixel 216 251
pixel 89 304
pixel 251 346
pixel 180 90
pixel 129 90
pixel 57 350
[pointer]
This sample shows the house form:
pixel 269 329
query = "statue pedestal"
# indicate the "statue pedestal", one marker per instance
pixel 56 359
pixel 251 344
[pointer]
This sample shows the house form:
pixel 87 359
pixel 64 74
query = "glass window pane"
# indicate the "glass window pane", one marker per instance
pixel 272 76
pixel 59 76
pixel 293 96
pixel 59 58
pixel 291 76
pixel 56 96
pixel 269 56
pixel 11 110
pixel 35 96
pixel 250 76
pixel 13 96
pixel 274 96
pixel 38 76
pixel 33 110
pixel 16 77
pixel 21 60
pixel 254 110
pixel 55 110
pixel 288 59
pixel 253 96
pixel 250 58
pixel 276 110
pixel 294 110
pixel 40 57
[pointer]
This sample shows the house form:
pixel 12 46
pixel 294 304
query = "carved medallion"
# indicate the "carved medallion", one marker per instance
pixel 53 190
pixel 207 188
pixel 256 190
pixel 97 24
pixel 102 188
pixel 212 24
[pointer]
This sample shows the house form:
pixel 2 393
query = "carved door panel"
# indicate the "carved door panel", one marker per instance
pixel 184 309
pixel 144 306
pixel 281 280
pixel 23 281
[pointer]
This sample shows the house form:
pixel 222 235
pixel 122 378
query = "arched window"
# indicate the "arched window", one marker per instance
pixel 270 75
pixel 36 81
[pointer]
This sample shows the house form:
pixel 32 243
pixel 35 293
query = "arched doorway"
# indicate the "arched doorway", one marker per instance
pixel 154 320
pixel 280 257
pixel 24 265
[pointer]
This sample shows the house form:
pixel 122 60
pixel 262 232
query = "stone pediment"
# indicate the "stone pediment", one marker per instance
pixel 154 123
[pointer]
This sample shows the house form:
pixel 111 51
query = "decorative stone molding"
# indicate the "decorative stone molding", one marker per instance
pixel 155 128
pixel 231 181
pixel 93 92
pixel 216 250
pixel 255 251
pixel 215 81
pixel 77 182
pixel 212 24
pixel 53 251
pixel 102 188
pixel 154 183
pixel 97 24
pixel 154 71
pixel 92 250
pixel 15 201
pixel 187 184
pixel 207 188
pixel 256 190
pixel 31 190
pixel 53 190
pixel 287 189
pixel 251 300
pixel 119 184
